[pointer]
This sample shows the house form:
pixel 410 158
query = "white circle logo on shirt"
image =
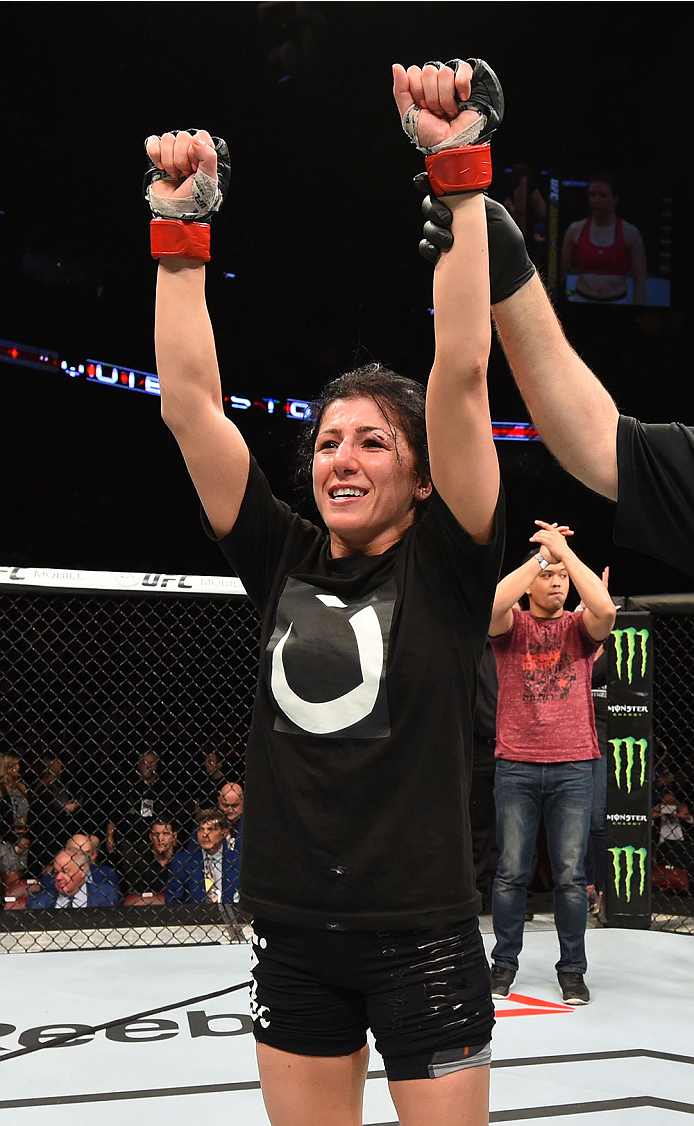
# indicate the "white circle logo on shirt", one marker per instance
pixel 327 661
pixel 320 718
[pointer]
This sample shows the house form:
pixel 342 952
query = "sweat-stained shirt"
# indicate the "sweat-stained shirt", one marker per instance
pixel 545 709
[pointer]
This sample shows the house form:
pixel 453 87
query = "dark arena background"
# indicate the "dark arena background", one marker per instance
pixel 314 269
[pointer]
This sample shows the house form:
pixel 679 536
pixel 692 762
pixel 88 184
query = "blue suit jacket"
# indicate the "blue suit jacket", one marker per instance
pixel 186 882
pixel 102 890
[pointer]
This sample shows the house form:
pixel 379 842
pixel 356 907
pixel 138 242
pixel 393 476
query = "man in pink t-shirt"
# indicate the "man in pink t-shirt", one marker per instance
pixel 545 743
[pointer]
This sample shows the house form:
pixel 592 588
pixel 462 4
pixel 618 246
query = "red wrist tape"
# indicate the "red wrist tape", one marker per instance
pixel 174 238
pixel 453 171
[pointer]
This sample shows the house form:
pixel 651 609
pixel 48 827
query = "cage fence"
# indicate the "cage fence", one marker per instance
pixel 126 707
pixel 673 766
pixel 124 720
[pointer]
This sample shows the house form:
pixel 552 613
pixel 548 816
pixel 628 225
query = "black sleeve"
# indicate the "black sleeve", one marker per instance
pixel 469 570
pixel 267 535
pixel 655 506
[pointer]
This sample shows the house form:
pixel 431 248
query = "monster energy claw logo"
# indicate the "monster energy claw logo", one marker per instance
pixel 628 852
pixel 629 746
pixel 631 634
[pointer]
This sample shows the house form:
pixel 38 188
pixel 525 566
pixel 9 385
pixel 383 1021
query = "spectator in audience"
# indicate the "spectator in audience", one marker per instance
pixel 151 871
pixel 90 844
pixel 209 871
pixel 72 883
pixel 144 797
pixel 213 764
pixel 201 792
pixel 675 821
pixel 230 805
pixel 54 811
pixel 668 773
pixel 14 813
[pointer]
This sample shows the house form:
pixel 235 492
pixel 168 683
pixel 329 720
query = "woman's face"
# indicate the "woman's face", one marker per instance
pixel 601 198
pixel 364 480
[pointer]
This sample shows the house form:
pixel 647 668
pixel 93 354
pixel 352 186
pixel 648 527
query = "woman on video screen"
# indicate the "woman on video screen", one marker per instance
pixel 604 250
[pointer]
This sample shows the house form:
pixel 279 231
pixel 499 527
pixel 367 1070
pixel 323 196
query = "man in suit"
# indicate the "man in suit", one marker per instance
pixel 230 805
pixel 73 883
pixel 207 871
pixel 90 844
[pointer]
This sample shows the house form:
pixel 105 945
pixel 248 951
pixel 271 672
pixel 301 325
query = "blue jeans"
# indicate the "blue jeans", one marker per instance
pixel 596 856
pixel 561 793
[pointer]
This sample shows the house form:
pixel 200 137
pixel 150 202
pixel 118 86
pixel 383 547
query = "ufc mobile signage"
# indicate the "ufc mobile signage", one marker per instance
pixel 629 770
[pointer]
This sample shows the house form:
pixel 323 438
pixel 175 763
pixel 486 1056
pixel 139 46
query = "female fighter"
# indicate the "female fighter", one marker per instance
pixel 604 249
pixel 372 631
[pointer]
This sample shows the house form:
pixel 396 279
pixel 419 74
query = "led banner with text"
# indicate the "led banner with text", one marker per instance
pixel 629 771
pixel 130 379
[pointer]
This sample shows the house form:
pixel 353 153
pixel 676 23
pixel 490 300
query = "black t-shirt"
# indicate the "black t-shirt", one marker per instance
pixel 655 508
pixel 358 761
pixel 146 873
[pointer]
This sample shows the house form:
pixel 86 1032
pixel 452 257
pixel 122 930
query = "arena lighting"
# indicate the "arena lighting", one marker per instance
pixel 515 432
pixel 27 356
pixel 130 379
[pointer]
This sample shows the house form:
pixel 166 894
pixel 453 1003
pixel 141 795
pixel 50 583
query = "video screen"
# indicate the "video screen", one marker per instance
pixel 614 239
pixel 598 236
pixel 524 192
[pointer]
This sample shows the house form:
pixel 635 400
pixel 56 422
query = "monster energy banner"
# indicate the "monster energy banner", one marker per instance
pixel 629 768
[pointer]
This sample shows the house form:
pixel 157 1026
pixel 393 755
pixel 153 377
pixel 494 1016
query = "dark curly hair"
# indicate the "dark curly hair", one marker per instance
pixel 400 401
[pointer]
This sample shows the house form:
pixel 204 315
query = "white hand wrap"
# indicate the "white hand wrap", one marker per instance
pixel 468 136
pixel 206 197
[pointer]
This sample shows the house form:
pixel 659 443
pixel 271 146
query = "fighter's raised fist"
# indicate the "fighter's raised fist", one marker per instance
pixel 448 105
pixel 188 174
pixel 179 155
pixel 437 92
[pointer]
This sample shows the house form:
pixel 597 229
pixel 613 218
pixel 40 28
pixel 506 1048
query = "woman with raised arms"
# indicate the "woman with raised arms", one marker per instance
pixel 357 864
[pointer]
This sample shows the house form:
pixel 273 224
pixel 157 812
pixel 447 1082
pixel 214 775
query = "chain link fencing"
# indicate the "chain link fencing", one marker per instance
pixel 126 706
pixel 125 717
pixel 673 765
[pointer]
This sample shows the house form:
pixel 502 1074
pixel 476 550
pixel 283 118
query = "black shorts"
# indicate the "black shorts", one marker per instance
pixel 425 995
